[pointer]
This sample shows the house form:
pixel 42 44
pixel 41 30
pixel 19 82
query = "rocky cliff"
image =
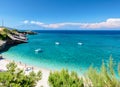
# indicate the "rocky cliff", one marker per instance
pixel 10 38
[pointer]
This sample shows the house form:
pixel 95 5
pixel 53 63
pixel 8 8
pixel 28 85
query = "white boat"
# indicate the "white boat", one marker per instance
pixel 57 43
pixel 28 69
pixel 38 50
pixel 79 43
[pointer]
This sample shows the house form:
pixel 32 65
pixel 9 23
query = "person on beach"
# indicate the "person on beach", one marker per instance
pixel 20 62
pixel 32 68
pixel 1 57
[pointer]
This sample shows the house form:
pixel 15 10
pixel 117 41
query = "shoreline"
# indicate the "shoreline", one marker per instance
pixel 23 66
pixel 80 71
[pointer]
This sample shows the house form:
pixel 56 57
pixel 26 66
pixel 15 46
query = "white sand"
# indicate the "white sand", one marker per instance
pixel 45 73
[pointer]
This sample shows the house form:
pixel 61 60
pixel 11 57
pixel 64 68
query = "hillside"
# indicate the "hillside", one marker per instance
pixel 11 37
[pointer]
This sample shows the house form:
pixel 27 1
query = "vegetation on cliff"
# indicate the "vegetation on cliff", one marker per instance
pixel 10 38
pixel 3 33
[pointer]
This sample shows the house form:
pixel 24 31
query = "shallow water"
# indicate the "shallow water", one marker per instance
pixel 96 46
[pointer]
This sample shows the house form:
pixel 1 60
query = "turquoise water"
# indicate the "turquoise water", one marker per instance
pixel 95 48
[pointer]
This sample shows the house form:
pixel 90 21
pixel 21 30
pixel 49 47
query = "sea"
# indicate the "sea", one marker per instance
pixel 74 50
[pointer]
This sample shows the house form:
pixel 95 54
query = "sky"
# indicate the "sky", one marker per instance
pixel 61 14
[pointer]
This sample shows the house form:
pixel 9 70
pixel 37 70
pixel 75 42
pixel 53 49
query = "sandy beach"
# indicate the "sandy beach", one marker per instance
pixel 45 73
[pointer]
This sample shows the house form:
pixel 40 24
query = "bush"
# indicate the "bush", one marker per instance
pixel 3 34
pixel 105 77
pixel 6 30
pixel 16 78
pixel 65 79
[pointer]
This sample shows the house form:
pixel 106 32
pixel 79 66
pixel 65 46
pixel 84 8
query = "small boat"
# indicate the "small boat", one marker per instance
pixel 38 50
pixel 57 43
pixel 79 43
pixel 28 69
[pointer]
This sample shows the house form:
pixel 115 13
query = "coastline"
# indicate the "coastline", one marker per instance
pixel 45 72
pixel 17 58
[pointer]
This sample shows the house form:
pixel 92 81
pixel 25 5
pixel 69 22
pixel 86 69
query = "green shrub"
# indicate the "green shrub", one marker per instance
pixel 3 34
pixel 105 77
pixel 65 79
pixel 16 78
pixel 6 30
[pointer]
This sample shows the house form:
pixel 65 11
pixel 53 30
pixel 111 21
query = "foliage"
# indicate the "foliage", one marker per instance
pixel 14 32
pixel 15 77
pixel 105 77
pixel 6 30
pixel 65 79
pixel 3 34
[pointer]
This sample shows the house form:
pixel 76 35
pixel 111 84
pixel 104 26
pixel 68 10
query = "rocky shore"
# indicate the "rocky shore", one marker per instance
pixel 2 44
pixel 10 38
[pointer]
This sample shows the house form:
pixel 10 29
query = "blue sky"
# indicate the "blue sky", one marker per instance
pixel 58 14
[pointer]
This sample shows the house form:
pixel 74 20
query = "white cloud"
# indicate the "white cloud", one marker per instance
pixel 36 22
pixel 58 25
pixel 109 23
pixel 26 22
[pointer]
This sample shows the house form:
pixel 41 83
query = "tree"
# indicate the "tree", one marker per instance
pixel 15 77
pixel 65 79
pixel 105 77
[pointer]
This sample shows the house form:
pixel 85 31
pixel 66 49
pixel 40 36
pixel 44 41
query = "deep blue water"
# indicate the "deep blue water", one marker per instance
pixel 97 46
